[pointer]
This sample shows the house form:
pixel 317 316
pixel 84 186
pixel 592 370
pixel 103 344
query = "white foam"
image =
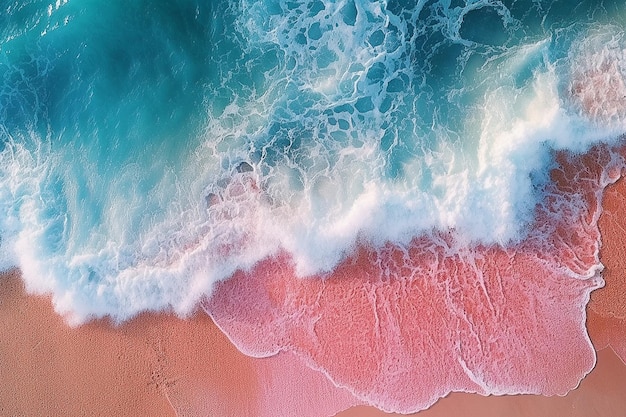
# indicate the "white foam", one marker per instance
pixel 322 173
pixel 596 79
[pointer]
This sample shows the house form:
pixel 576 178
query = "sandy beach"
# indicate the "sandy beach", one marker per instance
pixel 313 208
pixel 158 364
pixel 154 365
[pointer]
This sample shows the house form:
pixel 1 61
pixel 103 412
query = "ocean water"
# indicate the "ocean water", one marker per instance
pixel 124 128
pixel 150 150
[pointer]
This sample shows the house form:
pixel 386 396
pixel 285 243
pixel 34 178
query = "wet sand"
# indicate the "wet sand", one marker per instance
pixel 159 365
pixel 601 393
pixel 607 307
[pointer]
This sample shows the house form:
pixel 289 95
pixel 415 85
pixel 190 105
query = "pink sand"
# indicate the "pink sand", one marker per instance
pixel 399 332
pixel 403 327
pixel 154 365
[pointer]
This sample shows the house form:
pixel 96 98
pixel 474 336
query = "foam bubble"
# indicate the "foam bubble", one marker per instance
pixel 359 122
pixel 436 316
pixel 596 81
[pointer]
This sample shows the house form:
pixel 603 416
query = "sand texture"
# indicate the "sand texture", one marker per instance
pixel 159 365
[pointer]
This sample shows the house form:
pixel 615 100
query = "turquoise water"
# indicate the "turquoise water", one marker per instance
pixel 124 126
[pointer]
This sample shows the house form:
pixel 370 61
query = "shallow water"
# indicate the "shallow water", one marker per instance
pixel 123 127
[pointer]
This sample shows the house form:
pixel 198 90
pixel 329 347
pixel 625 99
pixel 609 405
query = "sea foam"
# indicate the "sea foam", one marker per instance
pixel 362 123
pixel 402 326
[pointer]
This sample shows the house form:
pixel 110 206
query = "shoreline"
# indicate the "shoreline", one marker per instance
pixel 158 364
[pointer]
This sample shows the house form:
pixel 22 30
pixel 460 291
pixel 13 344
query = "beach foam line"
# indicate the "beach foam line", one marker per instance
pixel 208 376
pixel 612 225
pixel 401 327
pixel 606 319
pixel 600 395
